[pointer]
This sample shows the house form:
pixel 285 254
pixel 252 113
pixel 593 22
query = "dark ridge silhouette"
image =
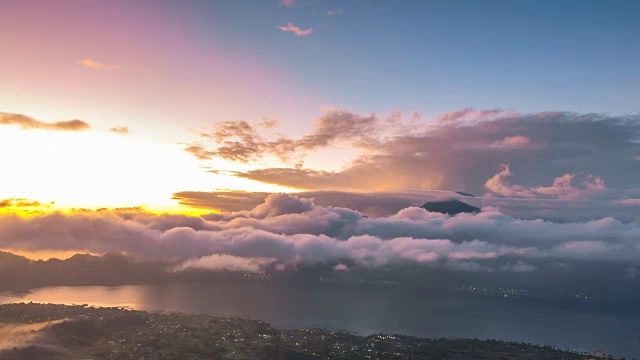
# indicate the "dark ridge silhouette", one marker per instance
pixel 450 207
pixel 465 194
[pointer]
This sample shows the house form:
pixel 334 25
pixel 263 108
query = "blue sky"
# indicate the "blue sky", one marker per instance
pixel 194 81
pixel 441 55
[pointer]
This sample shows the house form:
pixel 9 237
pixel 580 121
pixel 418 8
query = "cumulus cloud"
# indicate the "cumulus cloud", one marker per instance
pixel 341 267
pixel 562 187
pixel 288 232
pixel 29 123
pixel 296 30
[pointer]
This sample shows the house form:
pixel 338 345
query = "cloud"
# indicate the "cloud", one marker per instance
pixel 296 30
pixel 519 266
pixel 287 3
pixel 219 262
pixel 19 202
pixel 370 203
pixel 382 204
pixel 268 123
pixel 341 267
pixel 629 201
pixel 92 64
pixel 459 152
pixel 20 335
pixel 240 141
pixel 289 232
pixel 120 130
pixel 471 115
pixel 29 123
pixel 561 188
pixel 100 66
pixel 334 12
pixel 199 152
pixel 513 142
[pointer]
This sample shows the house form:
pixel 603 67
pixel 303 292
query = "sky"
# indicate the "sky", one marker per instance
pixel 173 129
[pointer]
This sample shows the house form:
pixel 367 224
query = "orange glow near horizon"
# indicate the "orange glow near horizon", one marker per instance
pixel 45 254
pixel 97 169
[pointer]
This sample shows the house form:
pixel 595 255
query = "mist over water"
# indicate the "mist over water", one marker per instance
pixel 374 309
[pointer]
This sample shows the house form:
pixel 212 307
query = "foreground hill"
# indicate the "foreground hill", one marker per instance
pixel 46 331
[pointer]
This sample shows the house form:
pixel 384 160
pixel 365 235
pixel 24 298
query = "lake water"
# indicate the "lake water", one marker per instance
pixel 368 310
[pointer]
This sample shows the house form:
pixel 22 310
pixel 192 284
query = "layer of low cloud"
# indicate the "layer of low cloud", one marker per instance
pixel 380 204
pixel 20 335
pixel 296 30
pixel 217 262
pixel 29 123
pixel 286 232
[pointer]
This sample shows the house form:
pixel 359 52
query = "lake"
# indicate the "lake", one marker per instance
pixel 373 309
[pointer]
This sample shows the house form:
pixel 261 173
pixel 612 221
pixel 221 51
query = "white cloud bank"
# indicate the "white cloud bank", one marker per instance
pixel 286 231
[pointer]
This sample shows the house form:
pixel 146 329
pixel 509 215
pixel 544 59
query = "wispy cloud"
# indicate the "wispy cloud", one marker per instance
pixel 334 12
pixel 29 123
pixel 92 64
pixel 240 141
pixel 268 123
pixel 120 130
pixel 287 3
pixel 296 30
pixel 19 202
pixel 513 142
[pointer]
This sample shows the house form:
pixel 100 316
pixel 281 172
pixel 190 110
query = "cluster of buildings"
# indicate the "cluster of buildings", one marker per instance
pixel 119 333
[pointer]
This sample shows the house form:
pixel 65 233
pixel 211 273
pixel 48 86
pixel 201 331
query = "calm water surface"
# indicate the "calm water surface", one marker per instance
pixel 368 310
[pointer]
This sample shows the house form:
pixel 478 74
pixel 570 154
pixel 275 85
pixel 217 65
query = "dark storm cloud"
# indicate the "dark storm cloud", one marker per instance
pixel 29 123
